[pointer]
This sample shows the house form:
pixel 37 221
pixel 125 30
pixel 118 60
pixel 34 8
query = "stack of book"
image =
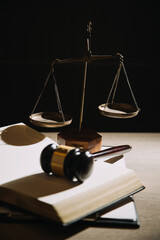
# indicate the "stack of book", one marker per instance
pixel 105 198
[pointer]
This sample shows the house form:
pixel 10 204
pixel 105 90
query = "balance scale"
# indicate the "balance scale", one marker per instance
pixel 86 139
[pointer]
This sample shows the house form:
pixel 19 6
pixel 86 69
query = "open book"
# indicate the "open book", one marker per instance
pixel 23 183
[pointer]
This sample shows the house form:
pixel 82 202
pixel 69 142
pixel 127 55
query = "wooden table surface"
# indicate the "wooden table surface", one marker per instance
pixel 144 159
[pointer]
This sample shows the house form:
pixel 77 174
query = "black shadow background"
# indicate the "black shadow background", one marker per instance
pixel 33 33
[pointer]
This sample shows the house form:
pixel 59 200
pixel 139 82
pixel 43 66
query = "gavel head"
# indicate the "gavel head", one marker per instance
pixel 67 162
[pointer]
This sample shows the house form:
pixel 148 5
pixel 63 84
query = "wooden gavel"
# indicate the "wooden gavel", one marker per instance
pixel 73 162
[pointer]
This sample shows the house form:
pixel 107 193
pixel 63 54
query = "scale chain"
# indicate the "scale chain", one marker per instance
pixel 44 86
pixel 115 82
pixel 129 86
pixel 57 95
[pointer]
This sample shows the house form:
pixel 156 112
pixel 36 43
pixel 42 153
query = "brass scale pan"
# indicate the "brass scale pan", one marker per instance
pixel 50 119
pixel 118 110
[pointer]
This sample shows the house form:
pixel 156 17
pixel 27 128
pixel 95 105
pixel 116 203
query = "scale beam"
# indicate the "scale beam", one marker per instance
pixel 88 59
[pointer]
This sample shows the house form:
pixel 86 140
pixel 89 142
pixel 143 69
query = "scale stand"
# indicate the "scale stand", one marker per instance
pixel 87 139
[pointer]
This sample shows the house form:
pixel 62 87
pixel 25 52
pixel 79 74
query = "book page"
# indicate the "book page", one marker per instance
pixel 20 149
pixel 125 212
pixel 52 189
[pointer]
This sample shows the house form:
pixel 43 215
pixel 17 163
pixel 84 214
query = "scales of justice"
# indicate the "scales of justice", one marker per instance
pixel 87 139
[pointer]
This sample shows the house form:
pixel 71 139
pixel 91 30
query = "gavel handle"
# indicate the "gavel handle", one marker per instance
pixel 117 150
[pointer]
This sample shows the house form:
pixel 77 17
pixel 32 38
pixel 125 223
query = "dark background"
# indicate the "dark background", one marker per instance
pixel 33 33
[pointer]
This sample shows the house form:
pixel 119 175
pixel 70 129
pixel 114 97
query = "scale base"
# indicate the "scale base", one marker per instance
pixel 86 139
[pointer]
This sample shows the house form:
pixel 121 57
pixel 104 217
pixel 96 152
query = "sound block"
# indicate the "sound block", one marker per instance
pixel 86 139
